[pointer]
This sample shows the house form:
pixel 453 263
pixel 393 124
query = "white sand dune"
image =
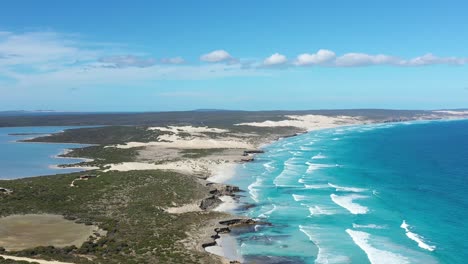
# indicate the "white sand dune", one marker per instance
pixel 189 129
pixel 308 122
pixel 173 141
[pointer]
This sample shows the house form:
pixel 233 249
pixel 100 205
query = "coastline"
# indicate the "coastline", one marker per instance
pixel 226 244
pixel 221 169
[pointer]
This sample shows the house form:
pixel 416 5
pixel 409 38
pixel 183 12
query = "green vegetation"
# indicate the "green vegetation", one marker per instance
pixel 214 118
pixel 102 135
pixel 199 153
pixel 128 205
pixel 9 261
pixel 101 155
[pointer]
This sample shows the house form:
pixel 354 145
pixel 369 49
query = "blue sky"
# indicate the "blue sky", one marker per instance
pixel 255 55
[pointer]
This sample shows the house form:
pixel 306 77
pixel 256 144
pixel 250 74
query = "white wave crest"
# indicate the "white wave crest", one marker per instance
pixel 324 255
pixel 316 186
pixel 317 210
pixel 315 166
pixel 370 226
pixel 346 189
pixel 299 198
pixel 375 256
pixel 268 213
pixel 319 156
pixel 415 237
pixel 347 202
pixel 253 190
pixel 268 166
pixel 291 171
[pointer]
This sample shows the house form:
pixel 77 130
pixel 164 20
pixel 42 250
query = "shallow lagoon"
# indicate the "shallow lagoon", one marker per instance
pixel 24 159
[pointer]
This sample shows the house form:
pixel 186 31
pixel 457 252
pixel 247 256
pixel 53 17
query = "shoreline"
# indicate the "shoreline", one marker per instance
pixel 225 249
pixel 226 171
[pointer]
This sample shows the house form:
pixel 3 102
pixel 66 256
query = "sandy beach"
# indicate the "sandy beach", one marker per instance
pixel 219 166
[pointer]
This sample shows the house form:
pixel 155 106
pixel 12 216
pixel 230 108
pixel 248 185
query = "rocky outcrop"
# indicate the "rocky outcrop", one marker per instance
pixel 217 191
pixel 254 151
pixel 220 189
pixel 242 222
pixel 210 202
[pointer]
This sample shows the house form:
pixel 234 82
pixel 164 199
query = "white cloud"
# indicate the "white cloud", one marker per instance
pixel 275 60
pixel 174 60
pixel 40 48
pixel 322 56
pixel 429 59
pixel 127 61
pixel 216 56
pixel 362 59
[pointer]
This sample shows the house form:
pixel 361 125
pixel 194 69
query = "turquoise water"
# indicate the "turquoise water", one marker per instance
pixel 18 160
pixel 391 193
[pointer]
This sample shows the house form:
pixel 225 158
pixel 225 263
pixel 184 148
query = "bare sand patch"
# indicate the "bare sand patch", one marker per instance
pixel 308 122
pixel 33 260
pixel 19 232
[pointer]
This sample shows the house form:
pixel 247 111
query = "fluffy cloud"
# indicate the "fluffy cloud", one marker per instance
pixel 175 60
pixel 429 59
pixel 275 60
pixel 216 56
pixel 362 59
pixel 127 61
pixel 322 56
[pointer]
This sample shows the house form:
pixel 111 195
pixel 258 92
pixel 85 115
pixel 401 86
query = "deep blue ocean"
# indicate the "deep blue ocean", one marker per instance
pixel 388 193
pixel 18 159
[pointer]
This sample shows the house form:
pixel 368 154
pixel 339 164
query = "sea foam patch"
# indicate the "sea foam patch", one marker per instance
pixel 375 255
pixel 347 202
pixel 346 189
pixel 327 251
pixel 415 237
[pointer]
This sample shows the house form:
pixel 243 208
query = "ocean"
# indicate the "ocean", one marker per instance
pixel 21 159
pixel 384 193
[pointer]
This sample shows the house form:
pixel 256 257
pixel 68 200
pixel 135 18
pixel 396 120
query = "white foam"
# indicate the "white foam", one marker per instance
pixel 375 256
pixel 299 198
pixel 229 204
pixel 291 170
pixel 315 166
pixel 335 139
pixel 346 189
pixel 316 186
pixel 347 202
pixel 268 166
pixel 253 191
pixel 369 226
pixel 415 237
pixel 268 213
pixel 324 254
pixel 319 156
pixel 304 148
pixel 317 210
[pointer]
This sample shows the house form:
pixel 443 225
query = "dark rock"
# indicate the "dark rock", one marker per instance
pixel 225 190
pixel 210 202
pixel 241 222
pixel 209 244
pixel 222 230
pixel 253 151
pixel 246 207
